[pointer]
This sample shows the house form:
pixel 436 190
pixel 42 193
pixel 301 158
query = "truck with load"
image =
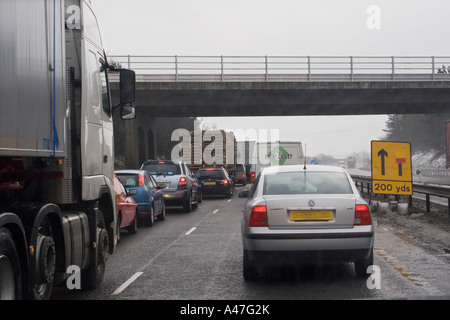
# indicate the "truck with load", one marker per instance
pixel 57 199
pixel 280 153
pixel 208 148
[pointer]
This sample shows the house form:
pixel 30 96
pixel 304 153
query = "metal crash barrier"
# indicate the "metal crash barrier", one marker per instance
pixel 364 184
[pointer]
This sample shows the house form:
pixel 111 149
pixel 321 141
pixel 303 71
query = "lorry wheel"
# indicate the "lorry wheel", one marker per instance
pixel 10 272
pixel 94 274
pixel 45 263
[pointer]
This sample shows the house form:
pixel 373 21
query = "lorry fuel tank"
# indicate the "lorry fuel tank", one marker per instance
pixel 76 227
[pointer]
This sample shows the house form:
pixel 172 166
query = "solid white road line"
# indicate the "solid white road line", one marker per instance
pixel 127 283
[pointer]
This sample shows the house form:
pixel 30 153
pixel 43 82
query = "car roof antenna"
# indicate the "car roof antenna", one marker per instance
pixel 304 159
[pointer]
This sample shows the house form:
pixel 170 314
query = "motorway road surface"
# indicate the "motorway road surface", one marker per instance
pixel 198 256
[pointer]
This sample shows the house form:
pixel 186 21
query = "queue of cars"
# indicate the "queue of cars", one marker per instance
pixel 292 214
pixel 144 193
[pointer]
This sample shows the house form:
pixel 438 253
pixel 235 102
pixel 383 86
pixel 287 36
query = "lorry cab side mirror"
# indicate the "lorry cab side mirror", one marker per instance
pixel 127 86
pixel 127 94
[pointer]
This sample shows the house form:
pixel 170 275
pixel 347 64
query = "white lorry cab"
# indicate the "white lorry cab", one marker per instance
pixel 57 201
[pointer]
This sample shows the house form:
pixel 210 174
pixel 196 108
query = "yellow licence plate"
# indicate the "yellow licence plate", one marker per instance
pixel 209 183
pixel 311 215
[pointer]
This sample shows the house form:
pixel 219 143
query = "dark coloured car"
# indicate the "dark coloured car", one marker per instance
pixel 240 174
pixel 179 183
pixel 147 194
pixel 215 181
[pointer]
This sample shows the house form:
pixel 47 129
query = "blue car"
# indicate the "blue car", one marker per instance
pixel 147 194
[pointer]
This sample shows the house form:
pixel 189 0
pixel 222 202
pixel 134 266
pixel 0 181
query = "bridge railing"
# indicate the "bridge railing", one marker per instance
pixel 286 68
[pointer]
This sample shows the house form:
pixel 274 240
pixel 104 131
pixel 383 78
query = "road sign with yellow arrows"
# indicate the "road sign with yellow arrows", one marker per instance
pixel 391 167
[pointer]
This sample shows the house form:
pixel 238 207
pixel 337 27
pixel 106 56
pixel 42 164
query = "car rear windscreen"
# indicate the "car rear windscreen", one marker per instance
pixel 129 180
pixel 167 169
pixel 306 182
pixel 206 174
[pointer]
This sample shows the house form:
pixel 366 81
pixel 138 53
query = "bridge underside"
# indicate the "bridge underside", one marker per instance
pixel 216 99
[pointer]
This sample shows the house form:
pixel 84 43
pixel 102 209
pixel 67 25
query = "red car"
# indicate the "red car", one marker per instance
pixel 126 209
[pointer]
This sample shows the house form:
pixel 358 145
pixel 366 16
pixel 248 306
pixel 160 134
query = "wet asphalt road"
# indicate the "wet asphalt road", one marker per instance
pixel 198 256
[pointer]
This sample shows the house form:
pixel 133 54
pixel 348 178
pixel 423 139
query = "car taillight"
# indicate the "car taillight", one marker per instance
pixel 362 215
pixel 243 175
pixel 140 180
pixel 258 217
pixel 182 183
pixel 224 182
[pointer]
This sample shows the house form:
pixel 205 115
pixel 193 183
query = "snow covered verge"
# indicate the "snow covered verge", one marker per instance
pixel 429 168
pixel 428 160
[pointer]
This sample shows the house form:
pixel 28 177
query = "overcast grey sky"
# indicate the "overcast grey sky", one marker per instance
pixel 282 27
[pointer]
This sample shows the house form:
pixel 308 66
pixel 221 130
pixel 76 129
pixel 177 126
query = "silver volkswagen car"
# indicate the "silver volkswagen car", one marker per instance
pixel 297 213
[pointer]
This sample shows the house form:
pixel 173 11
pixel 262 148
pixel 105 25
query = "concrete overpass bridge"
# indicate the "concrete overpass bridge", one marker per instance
pixel 202 86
